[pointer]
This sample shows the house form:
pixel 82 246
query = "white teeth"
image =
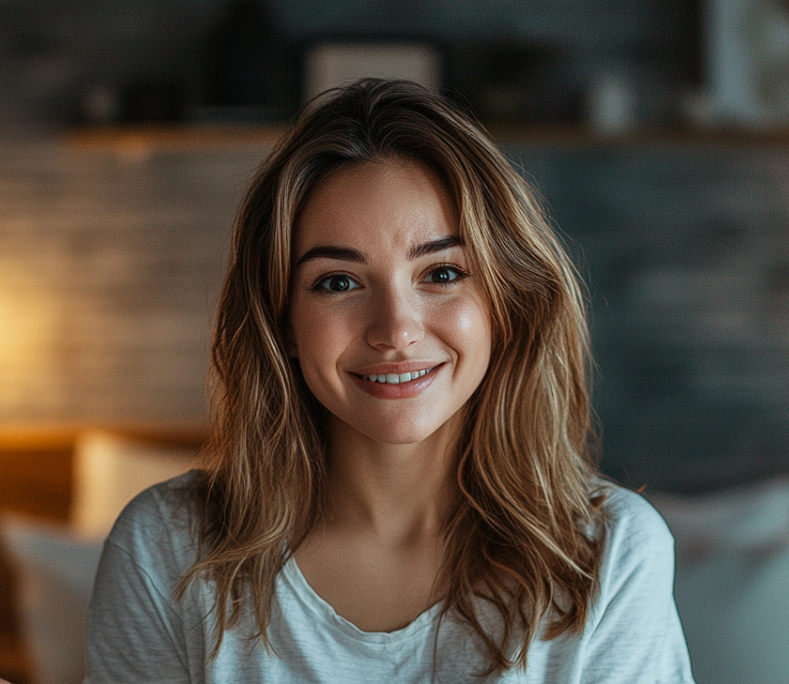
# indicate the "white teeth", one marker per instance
pixel 395 379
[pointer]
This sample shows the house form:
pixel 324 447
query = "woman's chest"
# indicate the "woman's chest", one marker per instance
pixel 375 587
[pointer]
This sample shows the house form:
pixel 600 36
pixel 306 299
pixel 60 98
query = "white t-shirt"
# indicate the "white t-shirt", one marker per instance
pixel 138 633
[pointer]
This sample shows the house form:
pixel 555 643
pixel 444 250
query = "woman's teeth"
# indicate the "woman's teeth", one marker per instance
pixel 396 379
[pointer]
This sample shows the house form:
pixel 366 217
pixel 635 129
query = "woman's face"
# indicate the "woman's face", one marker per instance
pixel 391 329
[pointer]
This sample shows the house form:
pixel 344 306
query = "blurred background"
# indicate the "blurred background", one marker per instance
pixel 656 131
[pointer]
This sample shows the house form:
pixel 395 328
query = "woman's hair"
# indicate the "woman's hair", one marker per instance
pixel 521 538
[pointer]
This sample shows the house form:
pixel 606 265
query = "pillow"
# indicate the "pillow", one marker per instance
pixel 56 564
pixel 732 580
pixel 54 575
pixel 110 469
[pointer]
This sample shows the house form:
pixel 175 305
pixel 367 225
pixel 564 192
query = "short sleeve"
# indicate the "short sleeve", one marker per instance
pixel 135 629
pixel 635 633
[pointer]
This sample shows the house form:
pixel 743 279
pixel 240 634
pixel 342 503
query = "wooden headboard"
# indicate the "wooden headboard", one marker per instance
pixel 36 464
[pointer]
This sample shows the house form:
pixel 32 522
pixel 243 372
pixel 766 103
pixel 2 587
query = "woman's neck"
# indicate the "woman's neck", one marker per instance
pixel 376 556
pixel 399 493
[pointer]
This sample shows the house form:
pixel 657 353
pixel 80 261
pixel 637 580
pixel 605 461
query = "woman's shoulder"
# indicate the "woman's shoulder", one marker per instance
pixel 138 627
pixel 163 518
pixel 636 536
pixel 633 633
pixel 628 512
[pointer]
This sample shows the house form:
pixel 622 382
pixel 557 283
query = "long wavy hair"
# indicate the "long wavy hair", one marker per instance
pixel 520 537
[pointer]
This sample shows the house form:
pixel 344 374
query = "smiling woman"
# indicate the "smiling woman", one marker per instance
pixel 398 484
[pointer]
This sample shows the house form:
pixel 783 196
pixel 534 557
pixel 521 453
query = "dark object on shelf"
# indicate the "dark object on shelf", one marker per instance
pixel 251 68
pixel 510 82
pixel 153 100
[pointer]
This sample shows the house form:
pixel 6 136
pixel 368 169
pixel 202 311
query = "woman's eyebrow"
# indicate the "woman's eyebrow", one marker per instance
pixel 434 246
pixel 350 254
pixel 330 252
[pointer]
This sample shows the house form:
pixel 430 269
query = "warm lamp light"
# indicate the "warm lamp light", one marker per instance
pixel 27 336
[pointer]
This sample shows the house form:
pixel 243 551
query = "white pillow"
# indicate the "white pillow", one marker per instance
pixel 110 469
pixel 749 517
pixel 54 576
pixel 56 564
pixel 732 581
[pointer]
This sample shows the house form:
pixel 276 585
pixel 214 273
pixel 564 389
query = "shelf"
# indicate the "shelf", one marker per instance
pixel 145 139
pixel 581 137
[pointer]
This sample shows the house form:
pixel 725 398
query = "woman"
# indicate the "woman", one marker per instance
pixel 399 485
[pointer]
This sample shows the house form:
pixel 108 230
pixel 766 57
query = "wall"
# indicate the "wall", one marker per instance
pixel 109 272
pixel 110 267
pixel 685 249
pixel 110 261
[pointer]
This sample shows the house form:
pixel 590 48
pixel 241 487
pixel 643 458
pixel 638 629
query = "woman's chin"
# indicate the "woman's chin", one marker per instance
pixel 402 432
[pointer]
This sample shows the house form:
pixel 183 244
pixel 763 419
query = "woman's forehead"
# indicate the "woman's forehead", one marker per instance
pixel 395 203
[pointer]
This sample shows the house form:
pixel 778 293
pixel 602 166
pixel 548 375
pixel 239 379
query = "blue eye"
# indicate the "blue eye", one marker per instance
pixel 339 282
pixel 444 275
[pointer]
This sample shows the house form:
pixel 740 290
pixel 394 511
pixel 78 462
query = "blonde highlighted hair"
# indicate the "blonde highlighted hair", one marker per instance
pixel 521 536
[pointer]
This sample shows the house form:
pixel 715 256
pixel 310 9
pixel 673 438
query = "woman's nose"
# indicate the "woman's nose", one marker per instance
pixel 395 320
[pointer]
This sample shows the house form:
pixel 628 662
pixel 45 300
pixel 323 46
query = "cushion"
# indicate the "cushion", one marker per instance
pixel 110 469
pixel 54 569
pixel 732 580
pixel 56 563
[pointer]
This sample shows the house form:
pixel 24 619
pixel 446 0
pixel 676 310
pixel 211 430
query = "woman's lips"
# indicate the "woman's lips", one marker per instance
pixel 397 385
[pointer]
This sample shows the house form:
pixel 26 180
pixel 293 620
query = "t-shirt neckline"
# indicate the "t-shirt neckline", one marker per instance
pixel 308 596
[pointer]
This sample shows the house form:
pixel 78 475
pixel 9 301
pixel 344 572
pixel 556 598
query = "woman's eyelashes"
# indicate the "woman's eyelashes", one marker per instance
pixel 335 283
pixel 340 282
pixel 445 274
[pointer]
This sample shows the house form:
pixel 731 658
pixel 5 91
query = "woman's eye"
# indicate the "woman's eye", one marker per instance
pixel 444 274
pixel 338 282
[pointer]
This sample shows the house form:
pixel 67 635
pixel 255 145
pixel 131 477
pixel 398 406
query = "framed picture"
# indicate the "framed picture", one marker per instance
pixel 332 63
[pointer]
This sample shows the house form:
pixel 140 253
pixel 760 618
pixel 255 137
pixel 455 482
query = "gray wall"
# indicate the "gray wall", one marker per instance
pixel 685 248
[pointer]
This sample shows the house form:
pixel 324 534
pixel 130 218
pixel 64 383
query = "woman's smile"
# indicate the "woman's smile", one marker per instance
pixel 397 378
pixel 398 385
pixel 389 325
